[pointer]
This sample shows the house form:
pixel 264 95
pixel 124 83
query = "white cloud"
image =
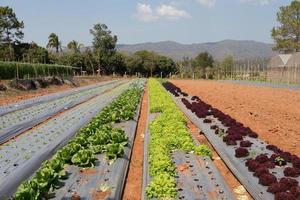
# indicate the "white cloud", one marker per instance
pixel 171 12
pixel 208 3
pixel 260 2
pixel 145 13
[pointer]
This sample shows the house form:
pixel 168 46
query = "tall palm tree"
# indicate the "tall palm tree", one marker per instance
pixel 74 46
pixel 53 42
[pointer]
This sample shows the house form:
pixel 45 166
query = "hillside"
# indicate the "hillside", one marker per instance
pixel 243 49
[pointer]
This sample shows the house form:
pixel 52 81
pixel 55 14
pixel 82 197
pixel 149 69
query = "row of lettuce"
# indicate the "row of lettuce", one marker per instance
pixel 95 138
pixel 10 70
pixel 284 183
pixel 168 132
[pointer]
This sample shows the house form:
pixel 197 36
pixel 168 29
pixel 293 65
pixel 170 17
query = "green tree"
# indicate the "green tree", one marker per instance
pixel 226 66
pixel 76 60
pixel 89 60
pixel 33 53
pixel 148 61
pixel 74 46
pixel 104 44
pixel 134 64
pixel 116 63
pixel 53 42
pixel 287 34
pixel 184 66
pixel 204 61
pixel 10 29
pixel 165 66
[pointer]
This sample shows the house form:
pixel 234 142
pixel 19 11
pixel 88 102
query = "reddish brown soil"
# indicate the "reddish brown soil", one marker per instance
pixel 273 113
pixel 182 167
pixel 230 179
pixel 88 171
pixel 13 95
pixel 97 195
pixel 75 196
pixel 133 185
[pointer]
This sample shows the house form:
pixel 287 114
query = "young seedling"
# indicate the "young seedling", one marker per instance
pixel 280 161
pixel 252 154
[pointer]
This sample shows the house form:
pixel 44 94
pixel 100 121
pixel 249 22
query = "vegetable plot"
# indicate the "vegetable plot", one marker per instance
pixel 198 178
pixel 168 133
pixel 21 157
pixel 97 138
pixel 16 122
pixel 266 171
pixel 5 109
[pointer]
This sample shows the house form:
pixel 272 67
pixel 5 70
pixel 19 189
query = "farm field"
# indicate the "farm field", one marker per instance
pixel 266 170
pixel 271 112
pixel 19 117
pixel 145 139
pixel 150 100
pixel 265 84
pixel 14 95
pixel 20 156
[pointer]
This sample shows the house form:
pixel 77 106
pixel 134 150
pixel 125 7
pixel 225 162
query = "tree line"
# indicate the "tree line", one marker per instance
pixel 100 58
pixel 103 58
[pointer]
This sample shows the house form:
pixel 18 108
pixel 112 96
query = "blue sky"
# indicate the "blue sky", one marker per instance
pixel 184 21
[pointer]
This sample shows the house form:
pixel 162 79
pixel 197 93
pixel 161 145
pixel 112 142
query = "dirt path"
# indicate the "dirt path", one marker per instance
pixel 273 113
pixel 134 180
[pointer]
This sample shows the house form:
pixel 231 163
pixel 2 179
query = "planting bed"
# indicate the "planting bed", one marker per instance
pixel 22 156
pixel 4 109
pixel 263 169
pixel 198 178
pixel 105 180
pixel 80 169
pixel 175 165
pixel 272 113
pixel 34 111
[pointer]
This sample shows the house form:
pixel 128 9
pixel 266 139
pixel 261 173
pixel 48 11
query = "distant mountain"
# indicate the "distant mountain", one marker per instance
pixel 239 49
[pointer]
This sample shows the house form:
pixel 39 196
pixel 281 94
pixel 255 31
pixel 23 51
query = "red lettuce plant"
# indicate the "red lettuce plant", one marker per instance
pixel 262 158
pixel 267 179
pixel 245 143
pixel 241 152
pixel 261 170
pixel 277 187
pixel 291 172
pixel 284 196
pixel 289 182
